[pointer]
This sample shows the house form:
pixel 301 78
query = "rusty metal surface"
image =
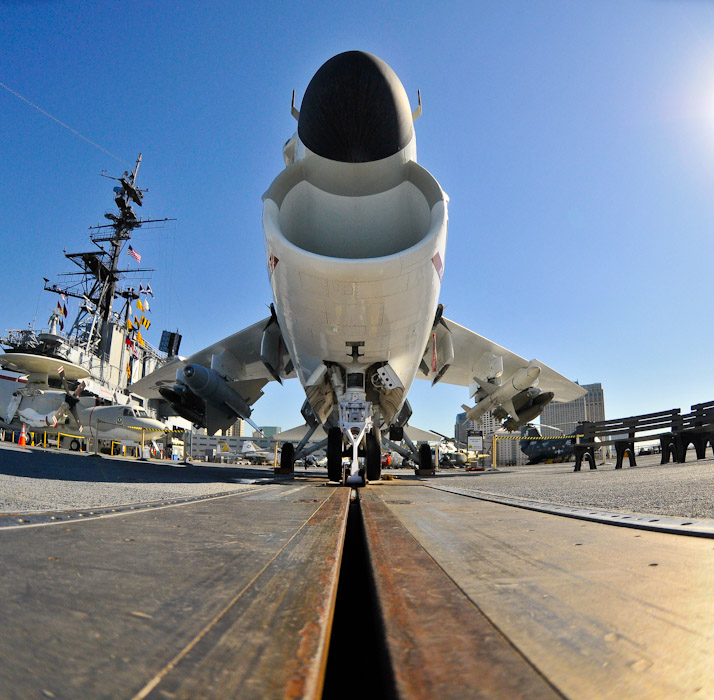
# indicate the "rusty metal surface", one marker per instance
pixel 440 644
pixel 272 639
pixel 603 612
pixel 175 598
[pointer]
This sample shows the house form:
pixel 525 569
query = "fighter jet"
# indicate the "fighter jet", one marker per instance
pixel 355 244
pixel 251 452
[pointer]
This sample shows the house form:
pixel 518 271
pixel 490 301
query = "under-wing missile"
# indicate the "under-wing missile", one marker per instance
pixel 211 387
pixel 219 396
pixel 529 411
pixel 520 402
pixel 522 379
pixel 186 404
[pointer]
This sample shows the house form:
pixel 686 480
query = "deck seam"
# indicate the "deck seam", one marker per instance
pixel 471 603
pixel 135 509
pixel 692 527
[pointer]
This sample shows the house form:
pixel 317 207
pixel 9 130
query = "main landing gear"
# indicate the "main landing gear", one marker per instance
pixel 426 463
pixel 287 458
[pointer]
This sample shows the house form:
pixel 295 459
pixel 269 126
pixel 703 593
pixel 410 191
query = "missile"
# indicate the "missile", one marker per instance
pixel 530 411
pixel 520 402
pixel 210 386
pixel 523 379
pixel 185 403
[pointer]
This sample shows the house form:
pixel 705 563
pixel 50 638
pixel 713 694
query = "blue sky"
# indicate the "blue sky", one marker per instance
pixel 575 140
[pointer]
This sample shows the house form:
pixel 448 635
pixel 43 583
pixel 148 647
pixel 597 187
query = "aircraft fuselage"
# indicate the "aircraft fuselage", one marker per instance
pixel 355 253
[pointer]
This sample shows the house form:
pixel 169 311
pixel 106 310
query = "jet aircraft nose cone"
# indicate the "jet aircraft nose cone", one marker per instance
pixel 355 110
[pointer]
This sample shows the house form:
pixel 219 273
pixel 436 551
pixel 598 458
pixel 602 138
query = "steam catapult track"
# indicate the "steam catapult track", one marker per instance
pixel 285 589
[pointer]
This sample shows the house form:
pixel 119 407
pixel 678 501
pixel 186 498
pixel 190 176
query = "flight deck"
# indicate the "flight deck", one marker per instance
pixel 171 581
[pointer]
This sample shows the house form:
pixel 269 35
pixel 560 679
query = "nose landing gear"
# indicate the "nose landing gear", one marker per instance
pixel 353 473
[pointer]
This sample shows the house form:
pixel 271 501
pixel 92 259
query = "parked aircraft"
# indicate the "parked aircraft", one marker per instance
pixel 355 237
pixel 251 452
pixel 553 450
pixel 450 455
pixel 39 407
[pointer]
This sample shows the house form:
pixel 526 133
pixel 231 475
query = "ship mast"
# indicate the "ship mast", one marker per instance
pixel 100 335
pixel 100 272
pixel 123 225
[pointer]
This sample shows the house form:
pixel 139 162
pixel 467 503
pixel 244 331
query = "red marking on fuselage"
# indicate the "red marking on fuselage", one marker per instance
pixel 438 265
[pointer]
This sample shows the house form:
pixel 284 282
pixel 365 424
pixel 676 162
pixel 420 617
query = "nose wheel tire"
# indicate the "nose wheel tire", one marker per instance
pixel 373 458
pixel 334 455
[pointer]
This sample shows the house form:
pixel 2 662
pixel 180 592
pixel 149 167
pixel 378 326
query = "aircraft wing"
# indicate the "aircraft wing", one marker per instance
pixel 471 357
pixel 246 359
pixel 148 386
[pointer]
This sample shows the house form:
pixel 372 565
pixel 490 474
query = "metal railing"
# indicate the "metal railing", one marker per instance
pixel 86 443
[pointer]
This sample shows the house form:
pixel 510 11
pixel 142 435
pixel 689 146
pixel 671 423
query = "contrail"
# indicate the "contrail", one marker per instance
pixel 61 123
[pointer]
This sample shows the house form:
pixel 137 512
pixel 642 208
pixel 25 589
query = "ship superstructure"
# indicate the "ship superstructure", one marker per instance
pixel 104 345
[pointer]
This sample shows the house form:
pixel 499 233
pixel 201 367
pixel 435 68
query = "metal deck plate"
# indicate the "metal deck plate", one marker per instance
pixel 230 597
pixel 440 644
pixel 656 523
pixel 601 612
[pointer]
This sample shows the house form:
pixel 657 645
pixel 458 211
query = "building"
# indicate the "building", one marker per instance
pixel 266 440
pixel 268 431
pixel 508 449
pixel 236 430
pixel 486 425
pixel 565 416
pixel 201 446
pixel 509 452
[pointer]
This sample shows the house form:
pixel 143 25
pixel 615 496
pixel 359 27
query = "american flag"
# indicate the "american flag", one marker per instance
pixel 134 254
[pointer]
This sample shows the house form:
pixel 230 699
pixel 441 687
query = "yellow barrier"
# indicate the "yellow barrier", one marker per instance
pixel 79 438
pixel 143 437
pixel 528 437
pixel 33 435
pixel 48 442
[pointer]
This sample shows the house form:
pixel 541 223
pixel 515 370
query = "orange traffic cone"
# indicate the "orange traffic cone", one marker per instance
pixel 23 439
